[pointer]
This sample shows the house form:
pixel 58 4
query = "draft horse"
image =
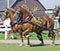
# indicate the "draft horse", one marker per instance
pixel 38 26
pixel 24 29
pixel 46 24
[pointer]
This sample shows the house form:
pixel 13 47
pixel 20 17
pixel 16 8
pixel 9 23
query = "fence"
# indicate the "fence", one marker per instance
pixel 5 29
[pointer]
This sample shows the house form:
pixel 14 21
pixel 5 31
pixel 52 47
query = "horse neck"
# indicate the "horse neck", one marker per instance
pixel 51 21
pixel 25 14
pixel 11 16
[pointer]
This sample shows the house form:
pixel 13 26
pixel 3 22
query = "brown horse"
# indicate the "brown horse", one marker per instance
pixel 30 26
pixel 25 28
pixel 47 24
pixel 14 26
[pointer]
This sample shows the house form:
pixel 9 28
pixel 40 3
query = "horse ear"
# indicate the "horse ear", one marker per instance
pixel 11 9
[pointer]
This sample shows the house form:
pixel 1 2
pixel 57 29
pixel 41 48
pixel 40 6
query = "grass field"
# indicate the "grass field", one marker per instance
pixel 33 36
pixel 16 47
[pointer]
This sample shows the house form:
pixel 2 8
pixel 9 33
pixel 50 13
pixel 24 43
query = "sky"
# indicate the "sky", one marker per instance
pixel 49 4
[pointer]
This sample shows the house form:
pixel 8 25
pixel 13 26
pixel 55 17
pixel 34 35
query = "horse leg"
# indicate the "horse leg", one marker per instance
pixel 28 41
pixel 9 33
pixel 21 37
pixel 39 35
pixel 52 34
pixel 41 39
pixel 27 35
pixel 25 32
pixel 22 42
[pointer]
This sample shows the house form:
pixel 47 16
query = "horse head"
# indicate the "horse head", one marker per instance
pixel 9 13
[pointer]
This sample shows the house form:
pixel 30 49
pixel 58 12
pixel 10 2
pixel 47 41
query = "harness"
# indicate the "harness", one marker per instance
pixel 20 16
pixel 36 19
pixel 27 18
pixel 13 23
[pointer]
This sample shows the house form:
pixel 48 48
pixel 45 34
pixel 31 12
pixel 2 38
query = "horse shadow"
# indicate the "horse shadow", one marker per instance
pixel 37 45
pixel 57 44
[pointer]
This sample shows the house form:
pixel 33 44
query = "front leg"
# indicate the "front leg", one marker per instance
pixel 25 32
pixel 10 34
pixel 10 31
pixel 21 37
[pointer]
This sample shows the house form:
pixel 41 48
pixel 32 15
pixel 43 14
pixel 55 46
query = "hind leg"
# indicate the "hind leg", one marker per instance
pixel 52 35
pixel 41 39
pixel 39 35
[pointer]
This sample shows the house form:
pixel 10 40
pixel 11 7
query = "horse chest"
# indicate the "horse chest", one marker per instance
pixel 12 19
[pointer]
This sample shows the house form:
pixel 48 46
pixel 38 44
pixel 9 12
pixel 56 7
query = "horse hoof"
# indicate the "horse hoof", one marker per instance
pixel 27 45
pixel 21 45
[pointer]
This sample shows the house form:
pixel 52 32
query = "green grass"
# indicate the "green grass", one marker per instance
pixel 33 36
pixel 16 47
pixel 2 36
